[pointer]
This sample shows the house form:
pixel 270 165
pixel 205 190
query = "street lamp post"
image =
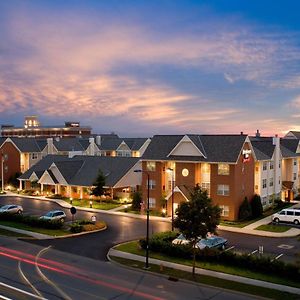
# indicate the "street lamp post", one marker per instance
pixel 2 170
pixel 172 209
pixel 147 231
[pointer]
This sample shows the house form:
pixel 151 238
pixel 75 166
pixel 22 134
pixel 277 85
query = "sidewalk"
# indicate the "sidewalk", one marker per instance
pixel 265 284
pixel 35 235
pixel 249 229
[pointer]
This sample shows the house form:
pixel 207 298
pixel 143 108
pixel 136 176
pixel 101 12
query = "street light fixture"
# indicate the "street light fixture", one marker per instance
pixel 147 232
pixel 170 170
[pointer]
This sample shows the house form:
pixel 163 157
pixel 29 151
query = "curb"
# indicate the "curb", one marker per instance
pixel 264 284
pixel 134 216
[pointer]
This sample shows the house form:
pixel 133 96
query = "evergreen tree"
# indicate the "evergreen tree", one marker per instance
pixel 256 206
pixel 196 218
pixel 245 211
pixel 98 189
pixel 136 201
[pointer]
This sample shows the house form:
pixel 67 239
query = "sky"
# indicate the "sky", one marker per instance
pixel 139 68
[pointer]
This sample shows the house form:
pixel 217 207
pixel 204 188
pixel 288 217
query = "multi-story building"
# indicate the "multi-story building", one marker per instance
pixel 221 164
pixel 33 128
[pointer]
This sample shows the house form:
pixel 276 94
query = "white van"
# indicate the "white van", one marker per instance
pixel 291 215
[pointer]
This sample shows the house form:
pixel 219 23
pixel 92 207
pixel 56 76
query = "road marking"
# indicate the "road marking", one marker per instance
pixel 9 287
pixel 284 246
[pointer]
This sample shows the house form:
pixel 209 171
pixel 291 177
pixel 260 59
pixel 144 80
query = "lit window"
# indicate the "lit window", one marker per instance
pixel 205 168
pixel 150 165
pixel 152 202
pixel 223 169
pixel 225 210
pixel 152 184
pixel 205 186
pixel 223 190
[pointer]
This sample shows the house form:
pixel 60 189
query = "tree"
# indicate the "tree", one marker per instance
pixel 256 206
pixel 98 189
pixel 136 201
pixel 13 180
pixel 196 218
pixel 245 210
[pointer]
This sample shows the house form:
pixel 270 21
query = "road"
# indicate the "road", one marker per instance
pixel 59 275
pixel 123 228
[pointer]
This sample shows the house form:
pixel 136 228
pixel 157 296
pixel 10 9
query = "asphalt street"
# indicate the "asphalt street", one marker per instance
pixel 59 275
pixel 123 228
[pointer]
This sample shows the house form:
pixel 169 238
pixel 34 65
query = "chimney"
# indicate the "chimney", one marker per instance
pixel 257 133
pixel 50 146
pixel 92 146
pixel 98 140
pixel 242 132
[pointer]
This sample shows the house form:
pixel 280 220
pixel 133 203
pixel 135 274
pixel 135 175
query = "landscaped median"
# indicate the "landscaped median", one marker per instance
pixel 48 228
pixel 222 262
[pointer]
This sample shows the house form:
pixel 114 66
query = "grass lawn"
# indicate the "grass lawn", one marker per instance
pixel 5 232
pixel 273 228
pixel 133 247
pixel 138 212
pixel 269 212
pixel 97 205
pixel 52 232
pixel 211 281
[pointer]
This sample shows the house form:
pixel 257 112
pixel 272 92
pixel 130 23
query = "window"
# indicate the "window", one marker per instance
pixel 152 184
pixel 152 202
pixel 271 165
pixel 205 168
pixel 264 183
pixel 297 213
pixel 294 176
pixel 205 186
pixel 225 210
pixel 271 182
pixel 282 213
pixel 6 169
pixel 223 169
pixel 264 166
pixel 295 162
pixel 279 165
pixel 290 213
pixel 223 190
pixel 5 157
pixel 150 165
pixel 34 155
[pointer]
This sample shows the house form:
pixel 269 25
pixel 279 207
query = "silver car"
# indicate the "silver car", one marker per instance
pixel 11 209
pixel 54 215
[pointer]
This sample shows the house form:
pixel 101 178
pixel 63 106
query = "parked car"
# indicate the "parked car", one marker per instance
pixel 291 215
pixel 11 209
pixel 54 215
pixel 211 241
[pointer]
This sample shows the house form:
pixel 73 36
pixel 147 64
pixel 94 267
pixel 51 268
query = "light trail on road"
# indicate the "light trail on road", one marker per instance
pixel 30 259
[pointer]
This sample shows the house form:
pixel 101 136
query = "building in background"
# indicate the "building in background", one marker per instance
pixel 33 128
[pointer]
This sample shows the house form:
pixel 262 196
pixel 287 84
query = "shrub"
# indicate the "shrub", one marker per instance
pixel 245 210
pixel 31 221
pixel 256 206
pixel 76 228
pixel 136 201
pixel 162 243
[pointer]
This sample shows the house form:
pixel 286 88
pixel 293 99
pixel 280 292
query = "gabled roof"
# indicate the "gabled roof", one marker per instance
pixel 135 144
pixel 287 152
pixel 291 144
pixel 216 148
pixel 296 134
pixel 29 144
pixel 2 140
pixel 42 165
pixel 83 170
pixel 67 144
pixel 263 147
pixel 110 143
pixel 69 168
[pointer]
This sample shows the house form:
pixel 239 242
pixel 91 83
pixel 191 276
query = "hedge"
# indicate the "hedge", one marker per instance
pixel 31 221
pixel 162 243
